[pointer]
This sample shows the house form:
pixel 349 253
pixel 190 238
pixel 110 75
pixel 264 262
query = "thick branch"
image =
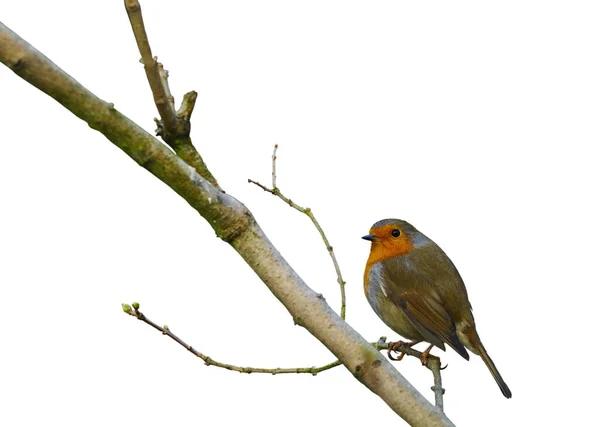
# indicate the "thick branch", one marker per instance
pixel 233 223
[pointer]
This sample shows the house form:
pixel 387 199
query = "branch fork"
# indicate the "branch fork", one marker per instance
pixel 174 125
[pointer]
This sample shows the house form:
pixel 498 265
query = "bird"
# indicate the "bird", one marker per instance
pixel 414 287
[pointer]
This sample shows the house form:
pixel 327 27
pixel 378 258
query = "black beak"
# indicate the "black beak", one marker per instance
pixel 370 237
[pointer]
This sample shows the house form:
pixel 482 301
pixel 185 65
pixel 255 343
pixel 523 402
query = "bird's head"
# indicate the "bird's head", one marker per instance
pixel 391 237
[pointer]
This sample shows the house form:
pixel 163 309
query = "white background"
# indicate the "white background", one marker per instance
pixel 476 123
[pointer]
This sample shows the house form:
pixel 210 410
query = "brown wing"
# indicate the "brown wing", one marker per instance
pixel 431 319
pixel 421 304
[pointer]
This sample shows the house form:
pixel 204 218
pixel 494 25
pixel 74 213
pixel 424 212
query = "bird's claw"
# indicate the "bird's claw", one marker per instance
pixel 399 347
pixel 395 359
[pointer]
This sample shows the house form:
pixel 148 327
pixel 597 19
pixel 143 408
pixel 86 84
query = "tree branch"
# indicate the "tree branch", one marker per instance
pixel 156 74
pixel 133 310
pixel 308 212
pixel 173 126
pixel 434 365
pixel 233 223
pixel 433 362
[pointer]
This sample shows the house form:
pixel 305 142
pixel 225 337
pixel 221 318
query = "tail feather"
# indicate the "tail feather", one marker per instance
pixel 494 371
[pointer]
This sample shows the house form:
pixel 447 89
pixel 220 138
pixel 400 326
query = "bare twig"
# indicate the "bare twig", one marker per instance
pixel 274 167
pixel 173 126
pixel 308 212
pixel 434 365
pixel 133 310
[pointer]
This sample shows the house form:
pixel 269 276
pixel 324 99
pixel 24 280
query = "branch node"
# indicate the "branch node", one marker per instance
pixel 434 389
pixel 174 126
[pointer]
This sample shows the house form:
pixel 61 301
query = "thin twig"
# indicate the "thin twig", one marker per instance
pixel 434 365
pixel 133 310
pixel 274 167
pixel 308 212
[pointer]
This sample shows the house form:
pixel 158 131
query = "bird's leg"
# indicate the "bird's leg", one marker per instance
pixel 397 348
pixel 425 355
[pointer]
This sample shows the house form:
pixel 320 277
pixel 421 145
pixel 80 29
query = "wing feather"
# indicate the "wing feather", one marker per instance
pixel 410 291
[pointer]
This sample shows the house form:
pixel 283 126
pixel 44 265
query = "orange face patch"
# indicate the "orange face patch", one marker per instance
pixel 386 245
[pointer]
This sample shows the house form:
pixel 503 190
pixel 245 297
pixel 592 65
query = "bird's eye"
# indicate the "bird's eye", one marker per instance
pixel 395 232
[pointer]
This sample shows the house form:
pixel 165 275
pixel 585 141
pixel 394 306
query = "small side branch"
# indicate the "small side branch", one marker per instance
pixel 173 126
pixel 434 365
pixel 308 212
pixel 156 74
pixel 133 310
pixel 187 105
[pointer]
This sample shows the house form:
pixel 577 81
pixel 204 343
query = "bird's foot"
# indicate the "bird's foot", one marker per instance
pixel 397 347
pixel 425 355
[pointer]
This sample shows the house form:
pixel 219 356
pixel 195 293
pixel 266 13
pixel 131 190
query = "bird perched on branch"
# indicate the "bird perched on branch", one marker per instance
pixel 416 290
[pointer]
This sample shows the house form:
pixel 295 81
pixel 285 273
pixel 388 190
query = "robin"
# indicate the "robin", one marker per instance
pixel 416 290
